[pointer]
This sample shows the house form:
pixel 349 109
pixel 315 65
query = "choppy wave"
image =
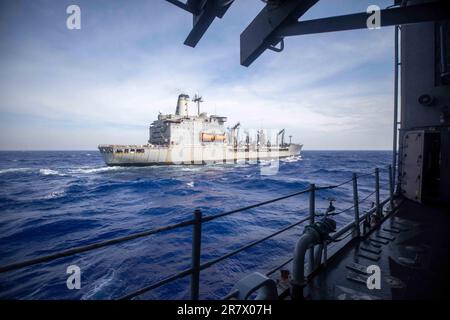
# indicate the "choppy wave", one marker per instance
pixel 55 194
pixel 99 286
pixel 12 170
pixel 50 172
pixel 95 170
pixel 57 200
pixel 291 159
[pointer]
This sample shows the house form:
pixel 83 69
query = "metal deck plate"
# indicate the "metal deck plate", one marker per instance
pixel 385 237
pixel 377 240
pixel 371 250
pixel 392 230
pixel 357 267
pixel 369 256
pixel 413 266
pixel 356 277
pixel 374 244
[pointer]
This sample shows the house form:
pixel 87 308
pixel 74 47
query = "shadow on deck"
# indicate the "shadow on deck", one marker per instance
pixel 412 249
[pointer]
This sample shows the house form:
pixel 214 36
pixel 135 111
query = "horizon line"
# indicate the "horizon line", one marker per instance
pixel 96 150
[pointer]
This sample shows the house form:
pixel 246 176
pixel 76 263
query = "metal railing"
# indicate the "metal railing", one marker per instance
pixel 198 220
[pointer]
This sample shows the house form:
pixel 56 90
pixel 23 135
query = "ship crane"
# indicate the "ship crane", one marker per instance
pixel 235 133
pixel 282 137
pixel 259 137
pixel 247 140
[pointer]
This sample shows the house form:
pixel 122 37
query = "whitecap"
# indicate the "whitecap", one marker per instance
pixel 190 184
pixel 292 159
pixel 10 170
pixel 94 170
pixel 50 172
pixel 191 169
pixel 55 195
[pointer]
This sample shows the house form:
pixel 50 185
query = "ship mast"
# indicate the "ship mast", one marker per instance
pixel 198 99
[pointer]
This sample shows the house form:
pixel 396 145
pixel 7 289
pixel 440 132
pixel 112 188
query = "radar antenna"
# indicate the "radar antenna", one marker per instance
pixel 198 99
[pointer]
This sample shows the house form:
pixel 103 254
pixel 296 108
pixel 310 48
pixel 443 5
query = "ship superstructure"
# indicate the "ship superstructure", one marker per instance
pixel 182 138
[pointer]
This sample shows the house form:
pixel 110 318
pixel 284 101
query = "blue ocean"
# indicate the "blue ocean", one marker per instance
pixel 52 201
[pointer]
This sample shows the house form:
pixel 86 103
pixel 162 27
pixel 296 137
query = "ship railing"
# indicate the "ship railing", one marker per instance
pixel 352 228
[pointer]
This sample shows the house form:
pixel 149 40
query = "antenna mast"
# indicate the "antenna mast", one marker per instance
pixel 198 99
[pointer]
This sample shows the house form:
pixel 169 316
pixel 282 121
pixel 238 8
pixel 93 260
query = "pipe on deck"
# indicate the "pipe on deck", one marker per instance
pixel 313 235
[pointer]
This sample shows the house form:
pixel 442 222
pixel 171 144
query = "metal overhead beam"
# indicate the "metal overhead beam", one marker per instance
pixel 181 5
pixel 201 22
pixel 279 19
pixel 261 33
pixel 204 12
pixel 433 11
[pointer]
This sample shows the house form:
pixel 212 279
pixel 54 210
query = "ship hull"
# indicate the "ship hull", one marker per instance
pixel 148 155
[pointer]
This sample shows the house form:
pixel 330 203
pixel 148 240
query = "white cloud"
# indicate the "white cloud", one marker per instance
pixel 309 88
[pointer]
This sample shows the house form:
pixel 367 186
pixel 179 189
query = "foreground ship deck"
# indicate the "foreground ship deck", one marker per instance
pixel 412 249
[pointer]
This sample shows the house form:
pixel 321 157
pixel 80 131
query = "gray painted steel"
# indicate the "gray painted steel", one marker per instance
pixel 182 138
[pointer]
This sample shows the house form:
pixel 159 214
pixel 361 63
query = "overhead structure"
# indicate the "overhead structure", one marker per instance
pixel 204 12
pixel 279 19
pixel 261 34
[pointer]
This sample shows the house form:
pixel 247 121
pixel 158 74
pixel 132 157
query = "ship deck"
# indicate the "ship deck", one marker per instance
pixel 412 249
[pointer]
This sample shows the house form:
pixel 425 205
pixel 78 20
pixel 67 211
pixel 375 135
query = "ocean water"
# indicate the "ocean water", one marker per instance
pixel 52 201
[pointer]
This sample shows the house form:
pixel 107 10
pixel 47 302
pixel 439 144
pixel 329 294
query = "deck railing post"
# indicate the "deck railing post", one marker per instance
pixel 391 188
pixel 196 251
pixel 312 215
pixel 356 204
pixel 377 192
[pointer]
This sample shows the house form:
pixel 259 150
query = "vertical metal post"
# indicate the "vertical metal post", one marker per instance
pixel 391 189
pixel 196 251
pixel 394 143
pixel 356 204
pixel 312 214
pixel 377 192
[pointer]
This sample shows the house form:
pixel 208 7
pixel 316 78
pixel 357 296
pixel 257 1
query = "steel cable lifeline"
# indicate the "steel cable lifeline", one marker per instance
pixel 209 263
pixel 347 209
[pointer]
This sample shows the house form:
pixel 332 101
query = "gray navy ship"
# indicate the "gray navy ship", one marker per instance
pixel 182 138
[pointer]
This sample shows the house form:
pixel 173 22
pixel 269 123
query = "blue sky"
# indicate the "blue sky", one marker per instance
pixel 75 89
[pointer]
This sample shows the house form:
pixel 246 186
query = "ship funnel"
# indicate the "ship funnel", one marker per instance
pixel 182 105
